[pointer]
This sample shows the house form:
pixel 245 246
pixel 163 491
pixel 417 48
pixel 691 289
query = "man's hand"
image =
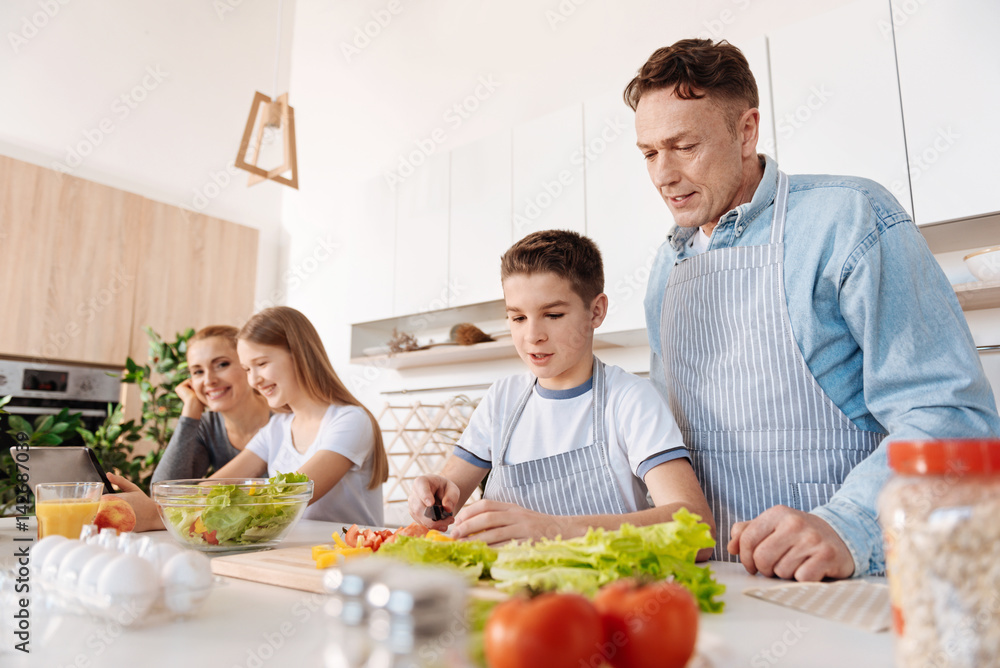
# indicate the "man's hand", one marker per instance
pixel 494 523
pixel 791 544
pixel 429 490
pixel 146 517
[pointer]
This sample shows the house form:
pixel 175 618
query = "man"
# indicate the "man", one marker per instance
pixel 796 325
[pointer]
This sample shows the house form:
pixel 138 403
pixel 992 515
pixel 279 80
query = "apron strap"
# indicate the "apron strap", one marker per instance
pixel 780 207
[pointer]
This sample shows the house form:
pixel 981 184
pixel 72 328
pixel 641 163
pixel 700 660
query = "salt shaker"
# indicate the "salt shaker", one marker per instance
pixel 348 645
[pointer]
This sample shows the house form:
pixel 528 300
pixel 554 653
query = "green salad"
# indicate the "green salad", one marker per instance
pixel 231 515
pixel 582 565
pixel 472 558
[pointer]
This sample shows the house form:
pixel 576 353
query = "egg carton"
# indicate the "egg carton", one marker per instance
pixel 125 578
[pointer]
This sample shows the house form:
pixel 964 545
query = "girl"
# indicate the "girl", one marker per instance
pixel 318 429
pixel 208 440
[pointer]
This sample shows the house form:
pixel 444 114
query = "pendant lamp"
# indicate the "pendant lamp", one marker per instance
pixel 270 132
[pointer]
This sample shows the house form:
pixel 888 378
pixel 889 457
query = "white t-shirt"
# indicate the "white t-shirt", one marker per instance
pixel 641 431
pixel 698 243
pixel 346 430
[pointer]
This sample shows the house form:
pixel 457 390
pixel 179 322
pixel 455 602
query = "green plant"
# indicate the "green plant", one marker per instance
pixel 46 430
pixel 113 441
pixel 157 381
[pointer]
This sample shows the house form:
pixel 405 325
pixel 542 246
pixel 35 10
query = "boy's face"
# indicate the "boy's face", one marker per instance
pixel 552 328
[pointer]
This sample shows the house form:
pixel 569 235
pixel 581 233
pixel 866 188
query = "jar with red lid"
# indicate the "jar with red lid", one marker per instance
pixel 940 515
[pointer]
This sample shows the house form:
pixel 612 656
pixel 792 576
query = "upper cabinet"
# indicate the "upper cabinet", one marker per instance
pixel 756 52
pixel 548 171
pixel 480 221
pixel 836 97
pixel 626 217
pixel 949 78
pixel 69 270
pixel 370 232
pixel 421 256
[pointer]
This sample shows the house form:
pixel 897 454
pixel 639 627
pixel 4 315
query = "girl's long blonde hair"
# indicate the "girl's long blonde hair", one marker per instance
pixel 288 328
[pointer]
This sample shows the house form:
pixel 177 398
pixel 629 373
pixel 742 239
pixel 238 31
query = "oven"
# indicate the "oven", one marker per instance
pixel 44 388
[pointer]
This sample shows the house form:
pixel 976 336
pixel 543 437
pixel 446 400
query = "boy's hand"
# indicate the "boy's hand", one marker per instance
pixel 495 523
pixel 431 490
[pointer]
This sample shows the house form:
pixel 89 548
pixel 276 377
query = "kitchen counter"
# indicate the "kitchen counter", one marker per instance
pixel 253 625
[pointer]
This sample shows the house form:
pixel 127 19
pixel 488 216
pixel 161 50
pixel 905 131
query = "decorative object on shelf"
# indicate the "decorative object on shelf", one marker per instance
pixel 467 334
pixel 270 121
pixel 984 264
pixel 418 439
pixel 401 342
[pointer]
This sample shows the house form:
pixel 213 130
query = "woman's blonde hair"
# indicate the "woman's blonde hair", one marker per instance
pixel 227 332
pixel 288 328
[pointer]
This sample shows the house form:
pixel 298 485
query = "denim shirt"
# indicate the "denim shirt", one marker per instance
pixel 876 320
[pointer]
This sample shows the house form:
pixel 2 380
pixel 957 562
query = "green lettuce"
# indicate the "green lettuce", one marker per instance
pixel 584 564
pixel 240 516
pixel 472 558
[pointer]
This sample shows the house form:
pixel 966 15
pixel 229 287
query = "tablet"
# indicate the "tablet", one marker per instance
pixel 64 463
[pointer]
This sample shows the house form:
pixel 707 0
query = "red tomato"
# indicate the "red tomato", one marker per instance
pixel 351 535
pixel 647 625
pixel 548 631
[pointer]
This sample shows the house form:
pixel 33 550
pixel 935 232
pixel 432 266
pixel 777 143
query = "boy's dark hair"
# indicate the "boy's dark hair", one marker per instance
pixel 696 68
pixel 561 252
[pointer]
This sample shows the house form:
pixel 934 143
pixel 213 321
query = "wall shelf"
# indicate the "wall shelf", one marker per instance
pixel 980 295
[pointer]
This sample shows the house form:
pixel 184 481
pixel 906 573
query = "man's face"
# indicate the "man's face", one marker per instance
pixel 693 157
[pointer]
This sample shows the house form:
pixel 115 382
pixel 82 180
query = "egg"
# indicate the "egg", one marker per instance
pixel 41 549
pixel 158 554
pixel 187 581
pixel 86 584
pixel 50 565
pixel 128 586
pixel 72 564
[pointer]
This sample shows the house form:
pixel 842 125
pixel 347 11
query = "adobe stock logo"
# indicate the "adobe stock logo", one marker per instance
pixel 31 25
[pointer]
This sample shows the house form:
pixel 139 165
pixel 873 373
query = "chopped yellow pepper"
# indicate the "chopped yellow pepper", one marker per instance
pixel 436 535
pixel 338 540
pixel 325 558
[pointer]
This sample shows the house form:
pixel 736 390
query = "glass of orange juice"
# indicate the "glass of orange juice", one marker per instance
pixel 63 508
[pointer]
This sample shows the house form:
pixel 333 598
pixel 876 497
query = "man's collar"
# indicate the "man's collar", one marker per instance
pixel 762 198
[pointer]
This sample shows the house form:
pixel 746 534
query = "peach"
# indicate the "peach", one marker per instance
pixel 116 513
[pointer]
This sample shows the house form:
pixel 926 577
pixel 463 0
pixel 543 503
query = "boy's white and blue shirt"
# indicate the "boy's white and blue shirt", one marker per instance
pixel 641 431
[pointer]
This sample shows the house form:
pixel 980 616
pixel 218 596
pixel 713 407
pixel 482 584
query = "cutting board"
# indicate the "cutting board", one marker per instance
pixel 294 568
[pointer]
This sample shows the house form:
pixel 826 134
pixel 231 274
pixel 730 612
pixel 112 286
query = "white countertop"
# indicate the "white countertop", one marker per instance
pixel 255 625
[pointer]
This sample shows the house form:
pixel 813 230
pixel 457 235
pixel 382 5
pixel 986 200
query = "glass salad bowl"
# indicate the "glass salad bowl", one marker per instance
pixel 229 514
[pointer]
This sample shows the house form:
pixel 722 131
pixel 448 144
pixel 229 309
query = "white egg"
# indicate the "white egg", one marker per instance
pixel 86 584
pixel 129 586
pixel 41 549
pixel 187 581
pixel 158 554
pixel 73 563
pixel 50 566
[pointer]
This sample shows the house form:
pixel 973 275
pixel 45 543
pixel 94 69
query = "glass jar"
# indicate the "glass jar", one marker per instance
pixel 940 515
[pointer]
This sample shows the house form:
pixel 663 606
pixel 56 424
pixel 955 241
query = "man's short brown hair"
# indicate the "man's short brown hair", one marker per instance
pixel 561 252
pixel 696 68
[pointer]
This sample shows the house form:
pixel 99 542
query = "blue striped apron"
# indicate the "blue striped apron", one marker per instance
pixel 759 429
pixel 578 482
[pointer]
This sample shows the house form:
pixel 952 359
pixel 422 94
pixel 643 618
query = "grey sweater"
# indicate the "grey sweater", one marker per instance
pixel 195 446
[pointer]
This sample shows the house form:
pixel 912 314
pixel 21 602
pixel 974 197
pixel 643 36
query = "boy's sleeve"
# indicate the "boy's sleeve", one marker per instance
pixel 475 445
pixel 647 429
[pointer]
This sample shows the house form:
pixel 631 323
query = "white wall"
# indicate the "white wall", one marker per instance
pixel 155 94
pixel 363 102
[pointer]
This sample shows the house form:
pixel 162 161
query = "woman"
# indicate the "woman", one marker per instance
pixel 206 440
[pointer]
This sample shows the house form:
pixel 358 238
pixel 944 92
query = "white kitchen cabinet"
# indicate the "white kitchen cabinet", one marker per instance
pixel 480 221
pixel 370 228
pixel 836 97
pixel 949 78
pixel 756 52
pixel 421 266
pixel 626 216
pixel 548 177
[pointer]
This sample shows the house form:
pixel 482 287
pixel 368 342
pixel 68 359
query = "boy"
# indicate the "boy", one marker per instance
pixel 573 444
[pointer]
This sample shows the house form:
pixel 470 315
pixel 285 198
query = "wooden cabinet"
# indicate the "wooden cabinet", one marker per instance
pixel 70 266
pixel 88 266
pixel 480 221
pixel 949 79
pixel 421 265
pixel 836 97
pixel 548 171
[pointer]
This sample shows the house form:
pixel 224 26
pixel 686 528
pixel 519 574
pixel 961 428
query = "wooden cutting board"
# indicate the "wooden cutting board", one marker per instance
pixel 294 568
